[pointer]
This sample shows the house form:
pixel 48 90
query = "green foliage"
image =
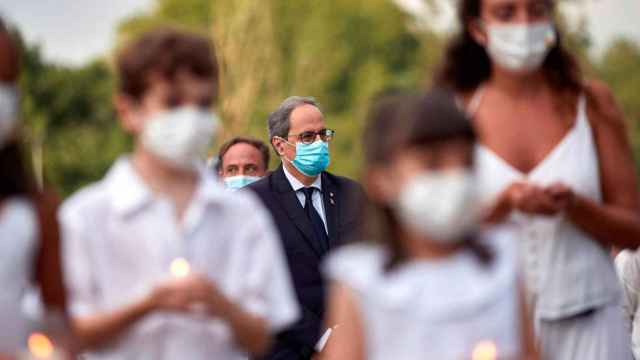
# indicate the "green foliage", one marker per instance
pixel 340 51
pixel 71 123
pixel 619 69
pixel 191 14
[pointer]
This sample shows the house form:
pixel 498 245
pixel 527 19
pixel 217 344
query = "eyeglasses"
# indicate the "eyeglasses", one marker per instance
pixel 308 137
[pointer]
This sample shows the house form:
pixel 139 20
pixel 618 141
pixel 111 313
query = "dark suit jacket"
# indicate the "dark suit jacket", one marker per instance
pixel 343 199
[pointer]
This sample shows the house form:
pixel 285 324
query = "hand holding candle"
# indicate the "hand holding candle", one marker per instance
pixel 205 295
pixel 180 267
pixel 173 294
pixel 187 291
pixel 40 347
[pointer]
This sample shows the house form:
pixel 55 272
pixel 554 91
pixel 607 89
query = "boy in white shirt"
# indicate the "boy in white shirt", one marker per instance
pixel 161 262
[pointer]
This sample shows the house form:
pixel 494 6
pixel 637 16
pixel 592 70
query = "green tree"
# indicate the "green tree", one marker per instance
pixel 341 52
pixel 191 14
pixel 619 68
pixel 71 124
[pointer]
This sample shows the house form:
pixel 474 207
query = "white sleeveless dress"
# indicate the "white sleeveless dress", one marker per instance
pixel 569 277
pixel 439 309
pixel 18 243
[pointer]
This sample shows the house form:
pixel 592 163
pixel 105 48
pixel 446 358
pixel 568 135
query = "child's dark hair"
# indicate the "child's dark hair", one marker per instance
pixel 164 52
pixel 410 120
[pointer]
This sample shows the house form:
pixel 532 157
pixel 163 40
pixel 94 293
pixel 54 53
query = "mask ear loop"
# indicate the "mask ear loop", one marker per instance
pixel 288 143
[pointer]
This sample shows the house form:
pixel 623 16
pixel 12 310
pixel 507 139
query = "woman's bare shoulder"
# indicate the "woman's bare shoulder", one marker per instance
pixel 602 105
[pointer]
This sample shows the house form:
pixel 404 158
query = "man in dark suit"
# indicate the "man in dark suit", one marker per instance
pixel 315 211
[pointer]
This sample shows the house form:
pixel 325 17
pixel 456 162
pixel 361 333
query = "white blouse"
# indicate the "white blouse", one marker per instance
pixel 442 309
pixel 18 244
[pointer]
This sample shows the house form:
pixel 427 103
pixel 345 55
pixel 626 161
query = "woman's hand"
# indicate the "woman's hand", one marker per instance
pixel 563 196
pixel 532 199
pixel 527 198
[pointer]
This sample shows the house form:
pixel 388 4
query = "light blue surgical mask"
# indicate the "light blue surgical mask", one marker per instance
pixel 311 159
pixel 240 181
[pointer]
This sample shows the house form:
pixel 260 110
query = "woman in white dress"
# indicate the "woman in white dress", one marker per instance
pixel 425 286
pixel 554 165
pixel 29 249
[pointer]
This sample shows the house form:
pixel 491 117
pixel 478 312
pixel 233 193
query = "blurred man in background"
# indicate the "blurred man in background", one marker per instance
pixel 242 161
pixel 161 261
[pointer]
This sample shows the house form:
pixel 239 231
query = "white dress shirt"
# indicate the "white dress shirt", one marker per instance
pixel 120 240
pixel 316 198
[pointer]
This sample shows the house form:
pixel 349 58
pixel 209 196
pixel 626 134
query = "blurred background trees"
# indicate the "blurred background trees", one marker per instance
pixel 342 52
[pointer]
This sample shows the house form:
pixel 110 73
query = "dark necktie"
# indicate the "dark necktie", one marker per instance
pixel 316 220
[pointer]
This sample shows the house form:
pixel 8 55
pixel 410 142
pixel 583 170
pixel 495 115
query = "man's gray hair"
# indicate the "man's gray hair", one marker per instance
pixel 279 120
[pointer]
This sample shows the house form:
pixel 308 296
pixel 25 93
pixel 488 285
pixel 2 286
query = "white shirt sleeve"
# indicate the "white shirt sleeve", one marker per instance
pixel 77 267
pixel 268 276
pixel 628 267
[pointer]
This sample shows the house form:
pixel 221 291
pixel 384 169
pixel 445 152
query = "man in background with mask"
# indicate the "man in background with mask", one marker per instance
pixel 161 261
pixel 242 161
pixel 314 210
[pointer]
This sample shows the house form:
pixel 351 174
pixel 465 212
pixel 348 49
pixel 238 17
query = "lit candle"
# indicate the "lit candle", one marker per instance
pixel 485 350
pixel 40 347
pixel 180 267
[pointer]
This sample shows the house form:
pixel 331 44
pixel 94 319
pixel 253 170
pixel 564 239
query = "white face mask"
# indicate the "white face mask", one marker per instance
pixel 440 205
pixel 8 111
pixel 239 181
pixel 180 136
pixel 520 47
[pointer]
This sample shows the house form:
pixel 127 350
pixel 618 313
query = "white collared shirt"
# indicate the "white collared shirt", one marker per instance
pixel 119 242
pixel 316 198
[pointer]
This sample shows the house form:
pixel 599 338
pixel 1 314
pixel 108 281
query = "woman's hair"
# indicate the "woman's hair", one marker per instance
pixel 466 64
pixel 401 121
pixel 15 178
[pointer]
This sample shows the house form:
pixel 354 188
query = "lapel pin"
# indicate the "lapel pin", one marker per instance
pixel 331 194
pixel 332 202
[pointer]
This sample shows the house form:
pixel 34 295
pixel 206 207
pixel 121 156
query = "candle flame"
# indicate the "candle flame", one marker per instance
pixel 180 267
pixel 40 345
pixel 485 350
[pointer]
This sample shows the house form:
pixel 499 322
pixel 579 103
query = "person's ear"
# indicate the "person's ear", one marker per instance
pixel 478 31
pixel 220 167
pixel 128 112
pixel 278 144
